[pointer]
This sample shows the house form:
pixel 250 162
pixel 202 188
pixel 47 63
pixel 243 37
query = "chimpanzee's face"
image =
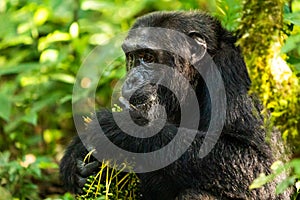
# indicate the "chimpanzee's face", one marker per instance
pixel 141 89
pixel 144 86
pixel 149 50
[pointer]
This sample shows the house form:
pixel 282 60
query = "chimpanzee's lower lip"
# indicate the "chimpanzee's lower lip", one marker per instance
pixel 130 106
pixel 136 106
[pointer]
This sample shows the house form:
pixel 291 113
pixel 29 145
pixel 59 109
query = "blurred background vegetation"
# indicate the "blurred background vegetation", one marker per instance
pixel 44 42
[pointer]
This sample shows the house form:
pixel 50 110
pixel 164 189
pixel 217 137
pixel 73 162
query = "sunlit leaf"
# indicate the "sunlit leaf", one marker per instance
pixel 293 18
pixel 17 40
pixel 277 165
pixel 298 186
pixel 97 5
pixel 278 114
pixel 24 27
pixel 51 135
pixel 66 78
pixel 291 43
pixel 33 80
pixel 40 16
pixel 49 55
pixel 260 181
pixel 48 165
pixel 56 36
pixel 74 30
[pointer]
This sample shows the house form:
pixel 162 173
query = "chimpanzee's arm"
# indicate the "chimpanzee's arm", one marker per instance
pixel 74 171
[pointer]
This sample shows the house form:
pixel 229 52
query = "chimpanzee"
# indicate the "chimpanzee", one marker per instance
pixel 152 91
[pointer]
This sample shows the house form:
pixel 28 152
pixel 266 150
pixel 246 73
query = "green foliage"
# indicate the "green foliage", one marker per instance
pixel 110 183
pixel 43 44
pixel 37 70
pixel 16 178
pixel 275 80
pixel 279 170
pixel 116 108
pixel 229 12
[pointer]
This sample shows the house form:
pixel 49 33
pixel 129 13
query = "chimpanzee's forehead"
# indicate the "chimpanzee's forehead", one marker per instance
pixel 183 21
pixel 186 23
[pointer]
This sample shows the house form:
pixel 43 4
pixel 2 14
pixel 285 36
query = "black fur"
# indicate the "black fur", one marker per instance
pixel 241 152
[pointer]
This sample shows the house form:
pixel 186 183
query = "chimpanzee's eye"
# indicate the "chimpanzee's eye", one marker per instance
pixel 149 57
pixel 146 56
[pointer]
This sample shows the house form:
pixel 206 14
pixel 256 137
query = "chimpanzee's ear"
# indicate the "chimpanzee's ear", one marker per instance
pixel 196 36
pixel 200 49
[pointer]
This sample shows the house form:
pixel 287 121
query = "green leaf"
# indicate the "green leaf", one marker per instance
pixel 65 78
pixel 41 16
pixel 65 99
pixel 282 186
pixel 278 114
pixel 297 67
pixel 31 118
pixel 49 55
pixel 52 135
pixel 6 105
pixel 277 166
pixel 291 43
pixel 296 164
pixel 48 165
pixel 4 157
pixel 56 36
pixel 74 30
pixel 260 181
pixel 97 5
pixel 293 18
pixel 20 68
pixel 46 101
pixel 37 106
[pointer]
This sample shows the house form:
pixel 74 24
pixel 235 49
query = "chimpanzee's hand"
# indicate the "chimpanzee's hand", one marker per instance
pixel 84 170
pixel 74 172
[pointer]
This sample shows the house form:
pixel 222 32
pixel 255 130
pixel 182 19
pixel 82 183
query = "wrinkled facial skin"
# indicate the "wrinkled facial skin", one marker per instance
pixel 140 86
pixel 149 60
pixel 146 53
pixel 142 89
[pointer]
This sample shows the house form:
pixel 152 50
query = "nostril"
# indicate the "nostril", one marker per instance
pixel 133 80
pixel 126 91
pixel 130 85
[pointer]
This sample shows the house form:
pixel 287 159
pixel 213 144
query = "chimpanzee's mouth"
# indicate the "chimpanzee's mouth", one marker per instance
pixel 140 104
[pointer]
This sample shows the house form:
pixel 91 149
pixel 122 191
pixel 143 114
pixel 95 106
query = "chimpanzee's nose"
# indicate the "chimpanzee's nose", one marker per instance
pixel 132 83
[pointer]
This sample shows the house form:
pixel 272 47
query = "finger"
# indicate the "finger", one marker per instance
pixel 80 181
pixel 89 169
